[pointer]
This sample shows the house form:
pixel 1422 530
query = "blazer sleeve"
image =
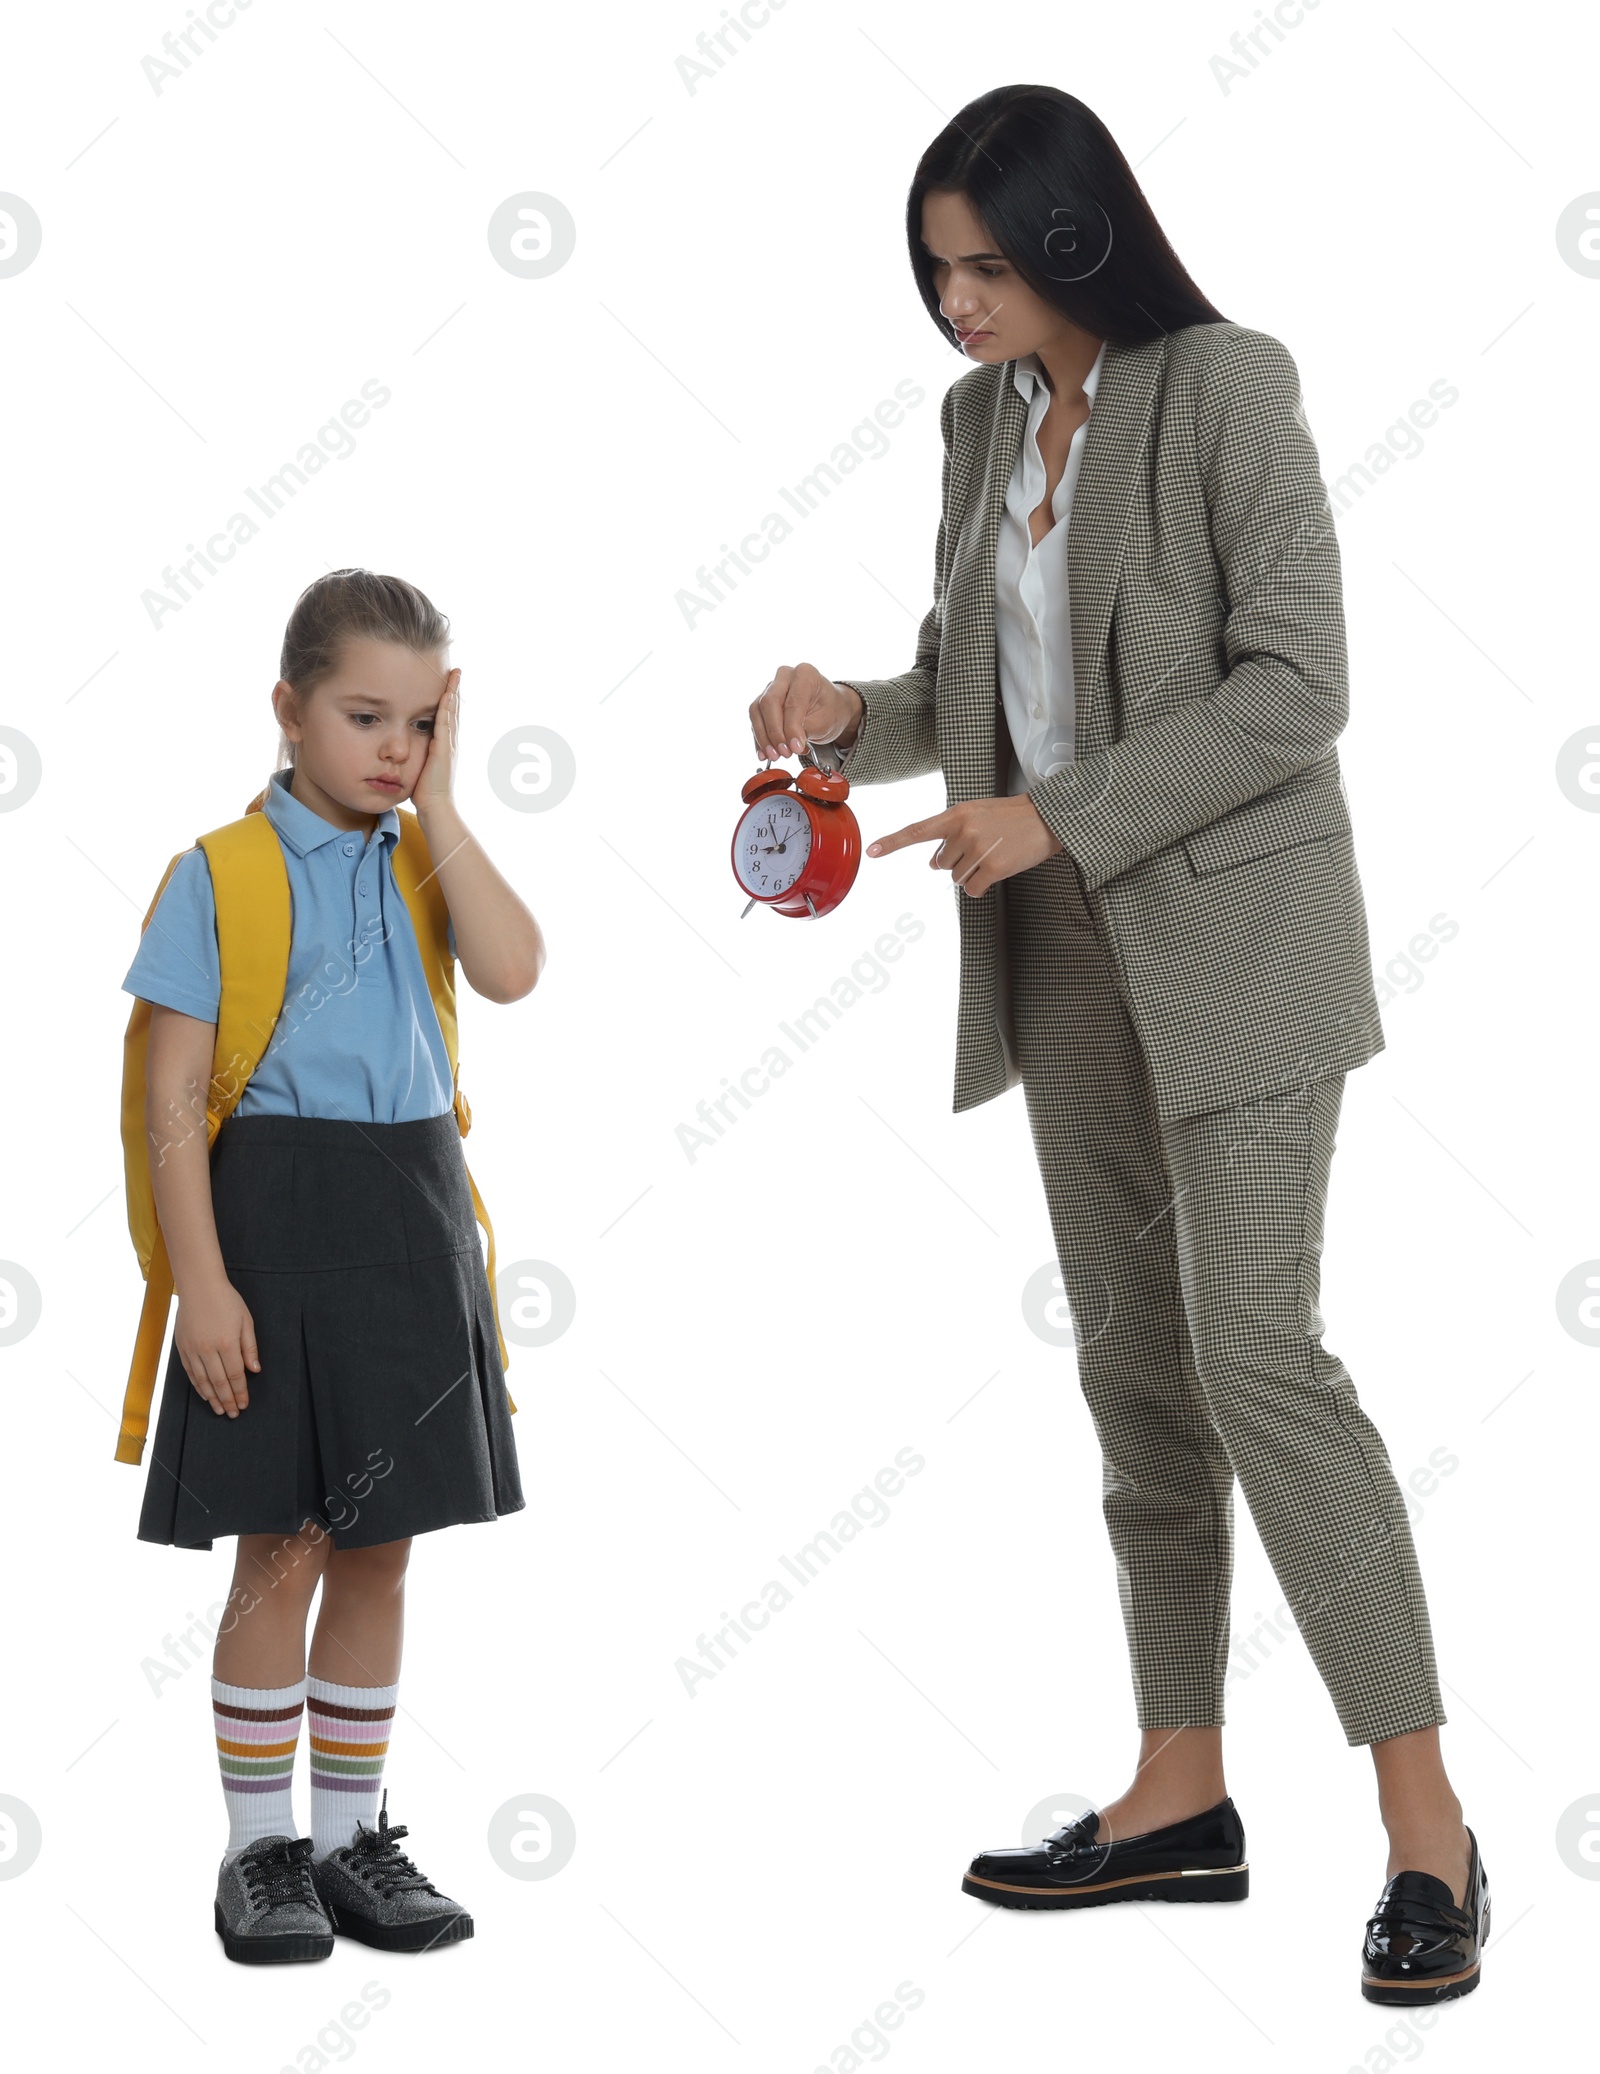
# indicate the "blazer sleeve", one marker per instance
pixel 1285 697
pixel 896 738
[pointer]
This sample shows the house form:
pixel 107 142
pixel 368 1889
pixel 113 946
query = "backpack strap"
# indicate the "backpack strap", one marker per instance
pixel 143 1226
pixel 430 920
pixel 251 884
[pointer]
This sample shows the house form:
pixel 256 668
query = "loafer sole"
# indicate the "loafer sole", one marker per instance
pixel 1225 1883
pixel 286 1949
pixel 400 1937
pixel 1443 1988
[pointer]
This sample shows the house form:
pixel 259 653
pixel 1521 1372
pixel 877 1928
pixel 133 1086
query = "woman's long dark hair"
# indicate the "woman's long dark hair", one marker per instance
pixel 1061 204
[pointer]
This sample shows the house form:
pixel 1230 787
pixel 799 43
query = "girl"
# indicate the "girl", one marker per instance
pixel 335 1384
pixel 1132 678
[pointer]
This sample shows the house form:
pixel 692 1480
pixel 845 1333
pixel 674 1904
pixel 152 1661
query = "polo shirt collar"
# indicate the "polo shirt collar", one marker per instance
pixel 1029 369
pixel 303 830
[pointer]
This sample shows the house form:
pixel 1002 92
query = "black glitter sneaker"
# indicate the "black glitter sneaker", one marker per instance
pixel 267 1911
pixel 374 1893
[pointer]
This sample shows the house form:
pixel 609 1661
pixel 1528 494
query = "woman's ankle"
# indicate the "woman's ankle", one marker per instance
pixel 1154 1805
pixel 1420 1814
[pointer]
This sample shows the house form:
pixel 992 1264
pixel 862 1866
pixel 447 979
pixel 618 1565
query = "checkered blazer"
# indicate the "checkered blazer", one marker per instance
pixel 1205 812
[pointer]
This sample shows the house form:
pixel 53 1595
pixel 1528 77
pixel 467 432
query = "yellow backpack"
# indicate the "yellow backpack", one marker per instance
pixel 251 885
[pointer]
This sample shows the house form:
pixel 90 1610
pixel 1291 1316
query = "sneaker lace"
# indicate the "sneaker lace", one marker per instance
pixel 376 1857
pixel 281 1874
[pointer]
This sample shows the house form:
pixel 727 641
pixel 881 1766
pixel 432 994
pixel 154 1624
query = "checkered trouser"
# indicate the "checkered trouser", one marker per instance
pixel 1189 1253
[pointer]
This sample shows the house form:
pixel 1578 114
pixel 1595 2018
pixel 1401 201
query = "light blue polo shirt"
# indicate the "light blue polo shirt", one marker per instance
pixel 358 1037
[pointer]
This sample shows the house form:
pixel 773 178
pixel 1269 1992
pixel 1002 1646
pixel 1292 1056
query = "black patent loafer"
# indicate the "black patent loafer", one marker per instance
pixel 1199 1859
pixel 1420 1946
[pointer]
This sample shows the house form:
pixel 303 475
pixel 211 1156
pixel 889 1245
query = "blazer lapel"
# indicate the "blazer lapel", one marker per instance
pixel 1113 456
pixel 972 765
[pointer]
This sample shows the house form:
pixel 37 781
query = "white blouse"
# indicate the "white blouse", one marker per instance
pixel 1033 613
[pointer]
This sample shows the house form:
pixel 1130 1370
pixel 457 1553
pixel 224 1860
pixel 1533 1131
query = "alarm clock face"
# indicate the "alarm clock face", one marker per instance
pixel 772 845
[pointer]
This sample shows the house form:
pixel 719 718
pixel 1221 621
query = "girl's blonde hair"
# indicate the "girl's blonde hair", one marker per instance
pixel 350 605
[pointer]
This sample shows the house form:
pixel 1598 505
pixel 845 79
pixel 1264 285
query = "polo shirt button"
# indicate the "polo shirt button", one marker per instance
pixel 349 849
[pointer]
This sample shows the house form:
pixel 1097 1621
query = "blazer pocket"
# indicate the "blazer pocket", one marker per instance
pixel 1278 821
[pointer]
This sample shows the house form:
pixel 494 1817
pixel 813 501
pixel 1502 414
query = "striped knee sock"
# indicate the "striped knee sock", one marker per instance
pixel 349 1727
pixel 257 1730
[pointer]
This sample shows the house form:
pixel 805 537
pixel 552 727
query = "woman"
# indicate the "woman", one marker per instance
pixel 1132 677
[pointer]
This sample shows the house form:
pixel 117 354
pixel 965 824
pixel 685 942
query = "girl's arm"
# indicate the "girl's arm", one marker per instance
pixel 498 943
pixel 214 1335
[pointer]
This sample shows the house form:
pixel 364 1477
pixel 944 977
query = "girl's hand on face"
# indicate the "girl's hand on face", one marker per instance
pixel 216 1341
pixel 433 788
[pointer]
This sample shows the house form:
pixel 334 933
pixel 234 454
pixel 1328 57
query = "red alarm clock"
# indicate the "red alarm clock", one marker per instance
pixel 797 847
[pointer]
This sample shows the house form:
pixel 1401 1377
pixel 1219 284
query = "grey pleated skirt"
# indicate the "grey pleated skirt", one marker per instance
pixel 379 1409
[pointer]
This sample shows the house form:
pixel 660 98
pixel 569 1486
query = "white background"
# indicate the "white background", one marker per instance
pixel 760 1329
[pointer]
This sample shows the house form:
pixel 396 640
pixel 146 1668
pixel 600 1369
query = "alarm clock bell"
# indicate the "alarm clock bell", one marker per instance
pixel 797 846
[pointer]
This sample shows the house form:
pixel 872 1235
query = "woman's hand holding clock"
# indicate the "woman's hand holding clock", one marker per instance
pixel 980 842
pixel 800 706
